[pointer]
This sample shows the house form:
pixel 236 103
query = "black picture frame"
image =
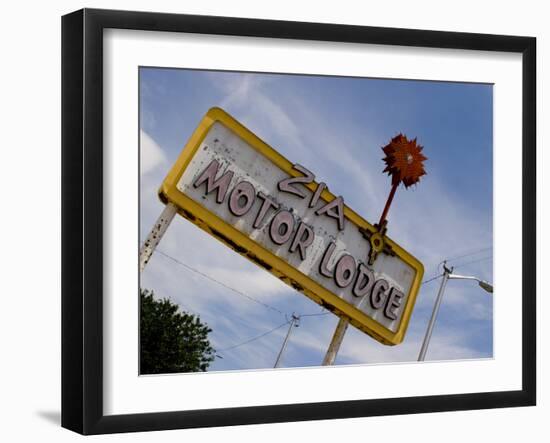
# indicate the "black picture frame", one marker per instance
pixel 82 220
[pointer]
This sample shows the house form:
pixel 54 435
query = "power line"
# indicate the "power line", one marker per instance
pixel 475 252
pixel 314 315
pixel 432 279
pixel 461 265
pixel 463 255
pixel 196 271
pixel 202 274
pixel 250 340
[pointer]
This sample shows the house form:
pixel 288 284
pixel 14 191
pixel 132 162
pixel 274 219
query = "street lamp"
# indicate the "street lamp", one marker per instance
pixel 447 275
pixel 485 285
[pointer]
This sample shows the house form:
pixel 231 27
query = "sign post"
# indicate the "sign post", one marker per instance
pixel 336 341
pixel 243 192
pixel 156 234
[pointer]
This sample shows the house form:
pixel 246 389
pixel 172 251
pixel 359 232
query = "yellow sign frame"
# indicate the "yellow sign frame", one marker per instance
pixel 247 247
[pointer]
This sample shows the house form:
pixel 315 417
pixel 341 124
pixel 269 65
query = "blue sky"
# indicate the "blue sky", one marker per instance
pixel 335 127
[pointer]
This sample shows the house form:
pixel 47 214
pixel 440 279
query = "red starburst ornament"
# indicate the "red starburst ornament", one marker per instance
pixel 404 163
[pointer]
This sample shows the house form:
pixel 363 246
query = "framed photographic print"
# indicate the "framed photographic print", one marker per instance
pixel 269 221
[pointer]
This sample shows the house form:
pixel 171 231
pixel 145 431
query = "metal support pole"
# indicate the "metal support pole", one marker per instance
pixel 154 237
pixel 388 204
pixel 283 347
pixel 429 331
pixel 336 341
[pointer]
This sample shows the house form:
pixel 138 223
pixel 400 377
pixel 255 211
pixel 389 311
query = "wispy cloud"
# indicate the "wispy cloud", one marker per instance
pixel 151 154
pixel 433 220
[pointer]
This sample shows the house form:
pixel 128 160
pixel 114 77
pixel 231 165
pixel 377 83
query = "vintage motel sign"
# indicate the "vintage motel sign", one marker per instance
pixel 240 190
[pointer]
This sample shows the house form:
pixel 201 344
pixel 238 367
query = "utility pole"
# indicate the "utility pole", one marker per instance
pixel 447 275
pixel 424 349
pixel 293 322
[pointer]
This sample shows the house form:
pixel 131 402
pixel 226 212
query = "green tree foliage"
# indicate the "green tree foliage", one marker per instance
pixel 170 340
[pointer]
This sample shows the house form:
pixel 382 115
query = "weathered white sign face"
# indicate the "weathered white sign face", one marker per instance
pixel 231 184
